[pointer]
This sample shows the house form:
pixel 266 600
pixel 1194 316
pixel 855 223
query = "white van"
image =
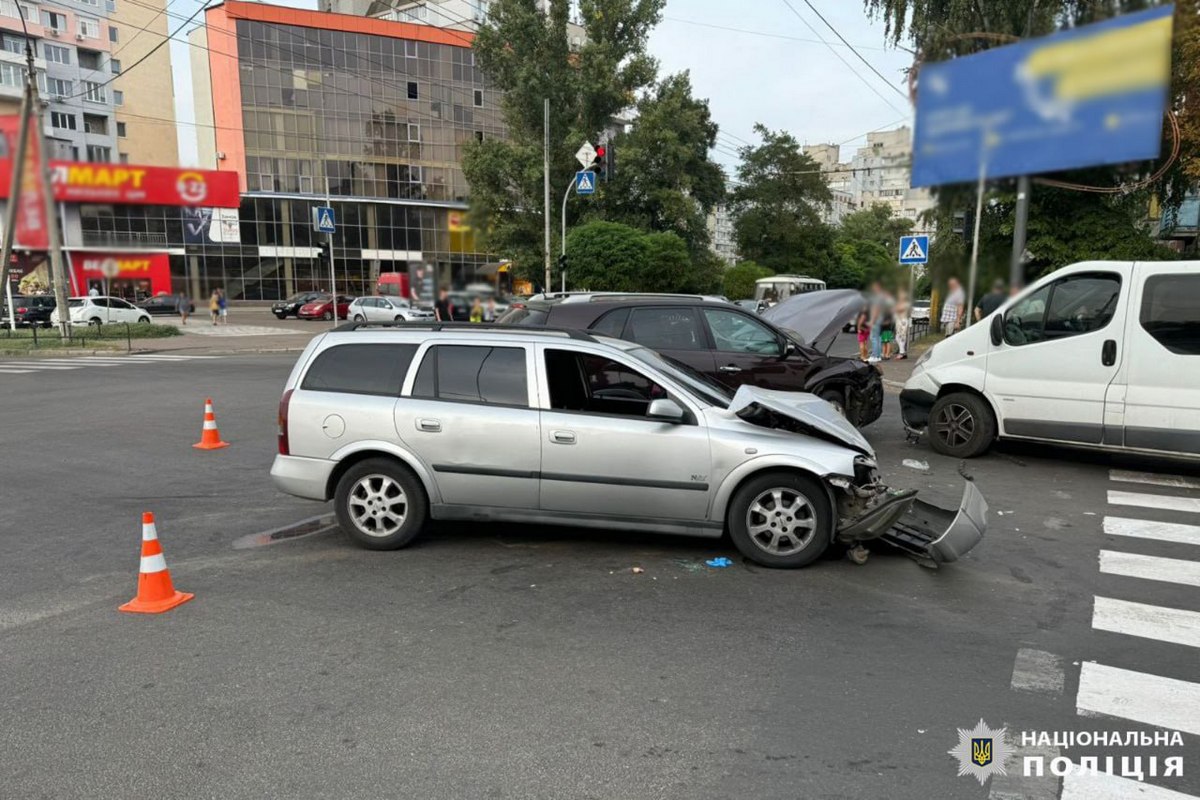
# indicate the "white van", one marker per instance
pixel 1099 354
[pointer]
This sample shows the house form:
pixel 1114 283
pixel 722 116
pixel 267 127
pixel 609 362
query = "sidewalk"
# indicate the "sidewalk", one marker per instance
pixel 248 330
pixel 897 373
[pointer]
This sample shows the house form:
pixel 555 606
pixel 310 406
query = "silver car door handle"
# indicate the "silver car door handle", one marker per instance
pixel 563 437
pixel 731 368
pixel 430 425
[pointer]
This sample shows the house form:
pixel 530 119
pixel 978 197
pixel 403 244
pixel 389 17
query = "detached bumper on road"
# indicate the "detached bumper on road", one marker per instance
pixel 302 477
pixel 938 533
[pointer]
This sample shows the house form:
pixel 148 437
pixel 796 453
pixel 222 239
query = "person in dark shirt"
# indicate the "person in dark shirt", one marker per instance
pixel 443 309
pixel 991 301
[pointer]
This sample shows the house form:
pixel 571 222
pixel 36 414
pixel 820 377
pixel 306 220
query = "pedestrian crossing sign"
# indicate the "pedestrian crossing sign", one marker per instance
pixel 914 249
pixel 324 220
pixel 585 182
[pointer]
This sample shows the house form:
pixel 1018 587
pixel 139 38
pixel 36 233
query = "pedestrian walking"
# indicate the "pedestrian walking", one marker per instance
pixel 876 324
pixel 476 310
pixel 93 292
pixel 903 322
pixel 888 334
pixel 489 310
pixel 443 309
pixel 863 327
pixel 991 301
pixel 183 306
pixel 952 309
pixel 223 306
pixel 214 306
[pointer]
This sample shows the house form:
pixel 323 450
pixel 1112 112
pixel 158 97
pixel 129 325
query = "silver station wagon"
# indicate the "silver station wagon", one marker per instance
pixel 401 424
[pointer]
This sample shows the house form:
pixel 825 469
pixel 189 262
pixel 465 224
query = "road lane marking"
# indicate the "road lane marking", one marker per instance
pixel 1139 696
pixel 1160 501
pixel 1102 786
pixel 36 367
pixel 4 371
pixel 1154 479
pixel 1038 671
pixel 1149 529
pixel 1149 622
pixel 1151 568
pixel 156 357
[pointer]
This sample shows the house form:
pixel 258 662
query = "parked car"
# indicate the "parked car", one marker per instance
pixel 321 307
pixel 101 311
pixel 920 310
pixel 386 309
pixel 28 310
pixel 164 304
pixel 1098 354
pixel 291 306
pixel 400 425
pixel 720 340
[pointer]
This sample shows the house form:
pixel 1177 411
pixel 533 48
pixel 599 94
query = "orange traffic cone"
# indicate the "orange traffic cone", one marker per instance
pixel 155 593
pixel 210 437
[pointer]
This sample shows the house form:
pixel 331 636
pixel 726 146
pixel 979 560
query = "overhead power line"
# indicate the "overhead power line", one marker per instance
pixel 764 34
pixel 838 34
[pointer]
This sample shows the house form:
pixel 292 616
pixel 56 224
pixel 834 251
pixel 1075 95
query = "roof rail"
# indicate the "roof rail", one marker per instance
pixel 465 327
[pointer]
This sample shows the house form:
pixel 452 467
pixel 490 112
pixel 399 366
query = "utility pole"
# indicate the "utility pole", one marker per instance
pixel 10 212
pixel 546 185
pixel 566 196
pixel 1016 269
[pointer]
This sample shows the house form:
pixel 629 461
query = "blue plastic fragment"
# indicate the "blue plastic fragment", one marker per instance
pixel 720 561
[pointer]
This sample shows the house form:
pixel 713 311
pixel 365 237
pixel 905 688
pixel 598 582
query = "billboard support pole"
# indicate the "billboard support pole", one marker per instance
pixel 1016 268
pixel 971 278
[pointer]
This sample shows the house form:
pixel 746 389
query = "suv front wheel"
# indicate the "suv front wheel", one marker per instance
pixel 380 504
pixel 781 519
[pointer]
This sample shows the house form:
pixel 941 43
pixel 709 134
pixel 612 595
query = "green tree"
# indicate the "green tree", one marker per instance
pixel 777 207
pixel 664 179
pixel 875 224
pixel 667 264
pixel 526 53
pixel 739 280
pixel 606 257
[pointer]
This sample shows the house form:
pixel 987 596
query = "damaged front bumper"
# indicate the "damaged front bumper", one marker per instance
pixel 910 524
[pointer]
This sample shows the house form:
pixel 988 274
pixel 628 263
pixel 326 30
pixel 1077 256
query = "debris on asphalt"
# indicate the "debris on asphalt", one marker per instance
pixel 912 463
pixel 962 470
pixel 636 570
pixel 719 562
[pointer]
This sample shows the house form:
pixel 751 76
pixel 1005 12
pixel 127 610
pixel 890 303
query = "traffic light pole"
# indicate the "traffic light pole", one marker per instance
pixel 566 196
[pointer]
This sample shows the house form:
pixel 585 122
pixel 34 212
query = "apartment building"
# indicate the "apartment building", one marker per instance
pixel 721 235
pixel 145 119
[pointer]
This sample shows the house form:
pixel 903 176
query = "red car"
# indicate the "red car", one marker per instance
pixel 322 308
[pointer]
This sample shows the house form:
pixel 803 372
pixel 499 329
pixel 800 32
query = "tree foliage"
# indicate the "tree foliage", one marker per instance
pixel 527 54
pixel 876 224
pixel 665 180
pixel 739 280
pixel 613 257
pixel 777 207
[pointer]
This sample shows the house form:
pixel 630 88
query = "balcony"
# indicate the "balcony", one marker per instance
pixel 133 239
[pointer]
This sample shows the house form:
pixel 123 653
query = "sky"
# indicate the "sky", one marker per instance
pixel 773 69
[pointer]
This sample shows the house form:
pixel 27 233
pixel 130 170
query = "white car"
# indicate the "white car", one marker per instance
pixel 920 310
pixel 386 309
pixel 101 311
pixel 1101 354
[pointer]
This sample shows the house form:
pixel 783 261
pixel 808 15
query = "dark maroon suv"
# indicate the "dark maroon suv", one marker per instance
pixel 719 339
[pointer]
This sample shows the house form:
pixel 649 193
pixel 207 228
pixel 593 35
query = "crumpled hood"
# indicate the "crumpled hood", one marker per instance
pixel 816 317
pixel 809 413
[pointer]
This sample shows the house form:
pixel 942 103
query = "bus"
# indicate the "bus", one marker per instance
pixel 777 288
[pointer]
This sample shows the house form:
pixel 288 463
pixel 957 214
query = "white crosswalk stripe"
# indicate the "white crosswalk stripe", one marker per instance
pixel 1154 479
pixel 1149 622
pixel 1151 568
pixel 1162 502
pixel 34 365
pixel 1152 529
pixel 1153 699
pixel 1077 786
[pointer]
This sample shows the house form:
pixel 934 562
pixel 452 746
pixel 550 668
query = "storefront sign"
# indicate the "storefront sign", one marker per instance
pixel 80 182
pixel 150 272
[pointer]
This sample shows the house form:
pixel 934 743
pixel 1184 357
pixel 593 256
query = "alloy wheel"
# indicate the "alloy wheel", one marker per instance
pixel 955 425
pixel 781 521
pixel 377 505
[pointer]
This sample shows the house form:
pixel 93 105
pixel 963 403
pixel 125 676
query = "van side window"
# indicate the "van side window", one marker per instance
pixel 1171 312
pixel 1068 307
pixel 469 374
pixel 377 369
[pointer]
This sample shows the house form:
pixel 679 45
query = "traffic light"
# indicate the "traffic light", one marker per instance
pixel 325 245
pixel 562 262
pixel 604 164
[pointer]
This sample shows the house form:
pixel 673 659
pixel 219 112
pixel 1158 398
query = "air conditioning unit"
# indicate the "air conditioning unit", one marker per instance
pixel 220 155
pixel 52 31
pixel 80 36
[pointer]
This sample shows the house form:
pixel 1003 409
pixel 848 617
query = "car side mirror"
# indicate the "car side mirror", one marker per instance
pixel 997 330
pixel 665 409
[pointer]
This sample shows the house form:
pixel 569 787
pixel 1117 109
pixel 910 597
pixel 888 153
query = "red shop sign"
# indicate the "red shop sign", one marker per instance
pixel 85 182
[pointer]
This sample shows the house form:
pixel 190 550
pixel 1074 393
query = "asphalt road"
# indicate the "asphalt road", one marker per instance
pixel 513 662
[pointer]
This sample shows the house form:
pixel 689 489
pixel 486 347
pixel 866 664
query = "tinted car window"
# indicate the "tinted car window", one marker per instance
pixel 738 333
pixel 466 374
pixel 522 315
pixel 360 369
pixel 1171 312
pixel 675 328
pixel 612 323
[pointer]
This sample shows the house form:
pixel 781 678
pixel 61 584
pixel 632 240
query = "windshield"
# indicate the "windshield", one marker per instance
pixel 701 385
pixel 321 298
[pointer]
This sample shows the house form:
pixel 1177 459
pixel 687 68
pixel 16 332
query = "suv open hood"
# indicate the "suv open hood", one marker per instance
pixel 798 412
pixel 816 317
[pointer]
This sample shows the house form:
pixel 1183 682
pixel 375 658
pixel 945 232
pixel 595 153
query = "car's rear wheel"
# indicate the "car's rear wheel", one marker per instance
pixel 327 316
pixel 280 316
pixel 143 320
pixel 95 322
pixel 961 425
pixel 380 504
pixel 359 318
pixel 781 519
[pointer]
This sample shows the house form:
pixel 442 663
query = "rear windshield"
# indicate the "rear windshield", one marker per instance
pixel 78 303
pixel 525 316
pixel 360 369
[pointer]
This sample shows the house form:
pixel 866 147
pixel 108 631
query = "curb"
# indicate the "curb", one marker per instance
pixel 56 353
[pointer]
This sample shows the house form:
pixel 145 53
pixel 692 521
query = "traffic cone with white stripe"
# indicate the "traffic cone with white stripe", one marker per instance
pixel 155 593
pixel 210 437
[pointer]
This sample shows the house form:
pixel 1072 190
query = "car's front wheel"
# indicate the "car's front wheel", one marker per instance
pixel 961 425
pixel 327 316
pixel 836 399
pixel 143 320
pixel 359 318
pixel 380 504
pixel 280 316
pixel 781 519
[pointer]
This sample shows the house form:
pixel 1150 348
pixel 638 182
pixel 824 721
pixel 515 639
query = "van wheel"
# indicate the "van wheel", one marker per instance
pixel 961 425
pixel 781 519
pixel 380 504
